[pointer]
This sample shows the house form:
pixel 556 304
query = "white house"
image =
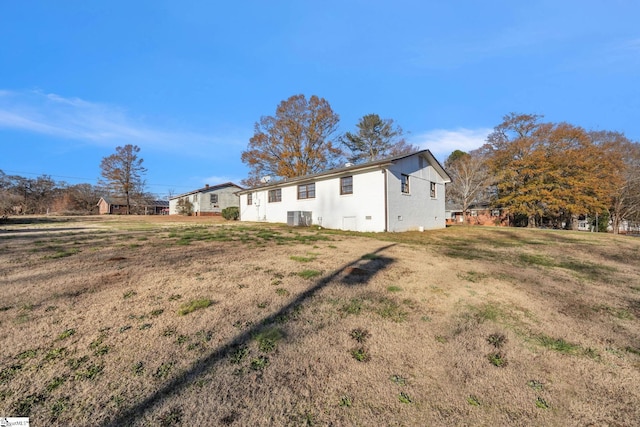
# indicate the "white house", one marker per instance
pixel 209 200
pixel 395 194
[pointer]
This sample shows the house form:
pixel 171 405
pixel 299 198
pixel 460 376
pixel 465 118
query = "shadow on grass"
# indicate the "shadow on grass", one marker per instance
pixel 36 232
pixel 369 266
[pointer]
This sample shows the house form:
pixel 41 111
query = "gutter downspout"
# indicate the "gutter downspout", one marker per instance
pixel 386 201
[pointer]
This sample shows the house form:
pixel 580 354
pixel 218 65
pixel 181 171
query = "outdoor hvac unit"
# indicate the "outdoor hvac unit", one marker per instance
pixel 299 218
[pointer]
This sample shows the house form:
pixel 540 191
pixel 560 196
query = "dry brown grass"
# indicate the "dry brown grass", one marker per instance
pixel 286 326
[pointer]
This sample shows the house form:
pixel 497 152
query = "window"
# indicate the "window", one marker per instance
pixel 433 190
pixel 404 182
pixel 346 185
pixel 275 195
pixel 250 198
pixel 307 191
pixel 195 197
pixel 214 198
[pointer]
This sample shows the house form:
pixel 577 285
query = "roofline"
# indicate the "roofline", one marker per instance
pixel 207 188
pixel 339 171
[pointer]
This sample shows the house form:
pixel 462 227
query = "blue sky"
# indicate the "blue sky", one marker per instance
pixel 187 80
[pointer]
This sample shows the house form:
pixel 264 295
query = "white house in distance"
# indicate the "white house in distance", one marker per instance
pixel 209 200
pixel 395 194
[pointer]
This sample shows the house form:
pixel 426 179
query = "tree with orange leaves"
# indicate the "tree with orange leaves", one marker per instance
pixel 295 142
pixel 550 171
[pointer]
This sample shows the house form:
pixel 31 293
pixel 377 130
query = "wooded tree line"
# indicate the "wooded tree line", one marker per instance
pixel 41 195
pixel 546 173
pixel 121 176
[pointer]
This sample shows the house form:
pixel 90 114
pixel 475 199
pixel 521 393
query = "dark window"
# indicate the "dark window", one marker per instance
pixel 275 195
pixel 214 198
pixel 346 185
pixel 250 198
pixel 404 182
pixel 307 191
pixel 433 190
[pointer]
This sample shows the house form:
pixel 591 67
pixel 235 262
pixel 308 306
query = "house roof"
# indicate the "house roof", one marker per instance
pixel 207 189
pixel 121 201
pixel 352 168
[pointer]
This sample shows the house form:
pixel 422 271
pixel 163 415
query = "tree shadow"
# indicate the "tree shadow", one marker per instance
pixel 34 232
pixel 367 267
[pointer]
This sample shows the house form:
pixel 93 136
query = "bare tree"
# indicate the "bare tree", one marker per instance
pixel 122 173
pixel 470 179
pixel 625 197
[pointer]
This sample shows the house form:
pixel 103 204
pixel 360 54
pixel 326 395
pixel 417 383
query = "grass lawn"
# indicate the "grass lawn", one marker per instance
pixel 199 321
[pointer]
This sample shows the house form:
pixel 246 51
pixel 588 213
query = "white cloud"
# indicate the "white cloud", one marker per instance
pixel 94 123
pixel 442 142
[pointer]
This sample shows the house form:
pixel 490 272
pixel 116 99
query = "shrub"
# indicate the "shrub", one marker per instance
pixel 231 213
pixel 184 206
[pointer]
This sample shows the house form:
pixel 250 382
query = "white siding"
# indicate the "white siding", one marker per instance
pixel 377 203
pixel 361 211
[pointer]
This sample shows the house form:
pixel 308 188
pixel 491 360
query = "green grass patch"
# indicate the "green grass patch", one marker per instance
pixel 497 359
pixel 282 292
pixel 557 344
pixel 473 400
pixel 354 306
pixel 472 276
pixel 27 354
pixel 541 260
pixel 389 309
pixel 129 294
pixel 66 334
pixel 259 363
pixel 194 305
pixel 309 274
pixel 361 354
pixel 394 288
pixel 302 258
pixel 404 398
pixel 55 353
pixel 268 339
pixel 238 355
pixel 90 373
pixel 541 403
pixel 55 383
pixel 163 370
pixel 398 379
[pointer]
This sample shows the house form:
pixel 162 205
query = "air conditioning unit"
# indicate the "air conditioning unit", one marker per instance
pixel 299 218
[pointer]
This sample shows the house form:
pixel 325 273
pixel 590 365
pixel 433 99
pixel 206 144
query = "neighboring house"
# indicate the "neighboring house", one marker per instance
pixel 481 214
pixel 626 227
pixel 395 194
pixel 207 201
pixel 118 206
